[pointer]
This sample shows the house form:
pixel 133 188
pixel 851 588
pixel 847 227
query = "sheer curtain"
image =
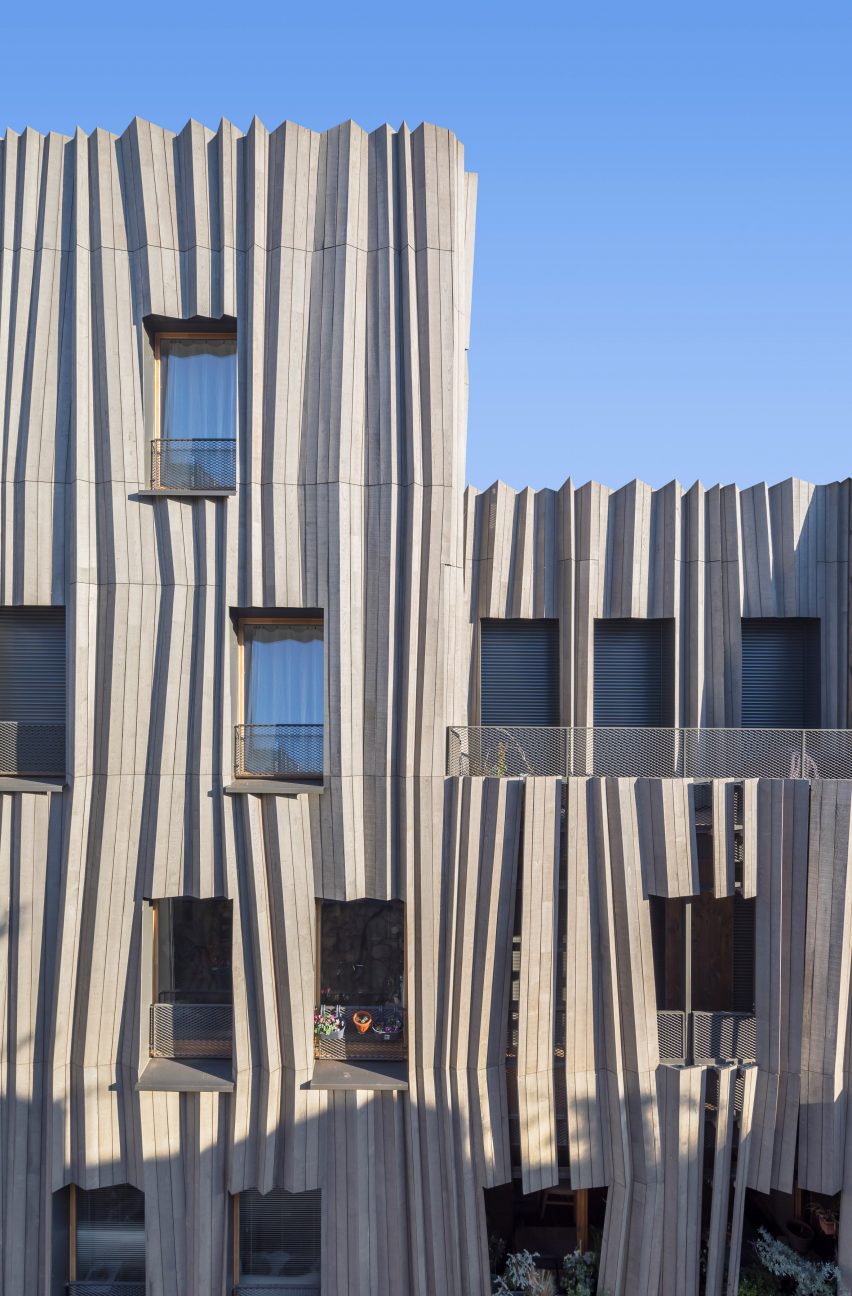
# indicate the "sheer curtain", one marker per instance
pixel 283 674
pixel 198 387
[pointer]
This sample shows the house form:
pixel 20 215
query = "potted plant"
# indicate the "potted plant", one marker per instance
pixel 800 1235
pixel 580 1273
pixel 362 1021
pixel 826 1218
pixel 328 1023
pixel 388 1027
pixel 518 1274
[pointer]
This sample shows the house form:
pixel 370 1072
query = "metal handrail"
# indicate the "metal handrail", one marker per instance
pixel 522 751
pixel 194 463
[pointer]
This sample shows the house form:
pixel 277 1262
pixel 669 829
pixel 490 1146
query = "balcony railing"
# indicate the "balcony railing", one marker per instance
pixel 106 1288
pixel 278 751
pixel 257 1287
pixel 32 749
pixel 378 1039
pixel 523 751
pixel 704 1037
pixel 194 463
pixel 191 1030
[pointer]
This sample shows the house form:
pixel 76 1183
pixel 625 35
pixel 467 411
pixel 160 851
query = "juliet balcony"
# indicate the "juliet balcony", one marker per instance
pixel 497 751
pixel 194 464
pixel 283 751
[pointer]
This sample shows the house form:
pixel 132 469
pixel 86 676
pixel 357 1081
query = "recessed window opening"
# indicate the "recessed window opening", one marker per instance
pixel 361 993
pixel 192 1013
pixel 196 403
pixel 282 697
pixel 107 1237
pixel 278 1236
pixel 32 691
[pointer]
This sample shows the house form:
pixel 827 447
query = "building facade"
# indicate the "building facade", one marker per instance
pixel 385 866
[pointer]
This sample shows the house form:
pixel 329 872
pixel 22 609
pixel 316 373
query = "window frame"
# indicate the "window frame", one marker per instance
pixel 229 335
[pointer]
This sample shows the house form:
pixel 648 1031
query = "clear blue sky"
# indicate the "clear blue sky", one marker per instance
pixel 663 281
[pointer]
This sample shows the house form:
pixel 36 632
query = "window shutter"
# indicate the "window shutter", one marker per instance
pixel 110 1235
pixel 520 672
pixel 280 1237
pixel 780 677
pixel 630 688
pixel 32 665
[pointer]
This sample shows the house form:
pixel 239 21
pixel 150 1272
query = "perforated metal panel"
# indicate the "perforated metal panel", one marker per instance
pixel 723 1037
pixel 519 666
pixel 671 1029
pixel 282 750
pixel 194 463
pixel 520 751
pixel 184 1030
pixel 107 1289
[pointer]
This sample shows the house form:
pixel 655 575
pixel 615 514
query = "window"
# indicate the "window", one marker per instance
pixel 107 1237
pixel 634 673
pixel 282 702
pixel 195 443
pixel 32 690
pixel 278 1241
pixel 520 672
pixel 361 999
pixel 781 675
pixel 192 1012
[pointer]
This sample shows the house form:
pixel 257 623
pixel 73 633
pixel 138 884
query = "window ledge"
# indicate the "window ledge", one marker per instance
pixel 359 1075
pixel 19 783
pixel 271 787
pixel 168 493
pixel 186 1075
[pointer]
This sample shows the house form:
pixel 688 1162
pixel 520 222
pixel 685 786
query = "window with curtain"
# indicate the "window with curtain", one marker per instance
pixel 110 1235
pixel 198 386
pixel 279 1240
pixel 283 702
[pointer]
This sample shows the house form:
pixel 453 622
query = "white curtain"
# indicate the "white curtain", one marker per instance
pixel 283 674
pixel 198 388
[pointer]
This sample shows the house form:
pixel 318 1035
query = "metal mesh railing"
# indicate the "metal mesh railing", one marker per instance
pixel 723 1037
pixel 31 748
pixel 106 1289
pixel 194 463
pixel 184 1030
pixel 373 1042
pixel 283 751
pixel 521 751
pixel 283 1289
pixel 671 1029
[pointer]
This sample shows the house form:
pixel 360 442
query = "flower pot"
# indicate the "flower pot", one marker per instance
pixel 335 1034
pixel 800 1235
pixel 362 1022
pixel 827 1226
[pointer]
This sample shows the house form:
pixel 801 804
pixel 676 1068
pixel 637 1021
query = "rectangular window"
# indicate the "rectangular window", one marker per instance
pixel 32 690
pixel 634 673
pixel 361 999
pixel 279 1241
pixel 282 704
pixel 107 1240
pixel 519 673
pixel 781 673
pixel 196 402
pixel 192 1012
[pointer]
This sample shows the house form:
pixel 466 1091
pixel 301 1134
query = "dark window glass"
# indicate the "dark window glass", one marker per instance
pixel 194 951
pixel 520 673
pixel 111 1235
pixel 780 679
pixel 362 958
pixel 634 673
pixel 280 1242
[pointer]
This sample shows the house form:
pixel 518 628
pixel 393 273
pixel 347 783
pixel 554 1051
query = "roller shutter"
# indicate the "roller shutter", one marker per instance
pixel 520 673
pixel 280 1238
pixel 634 684
pixel 32 690
pixel 780 677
